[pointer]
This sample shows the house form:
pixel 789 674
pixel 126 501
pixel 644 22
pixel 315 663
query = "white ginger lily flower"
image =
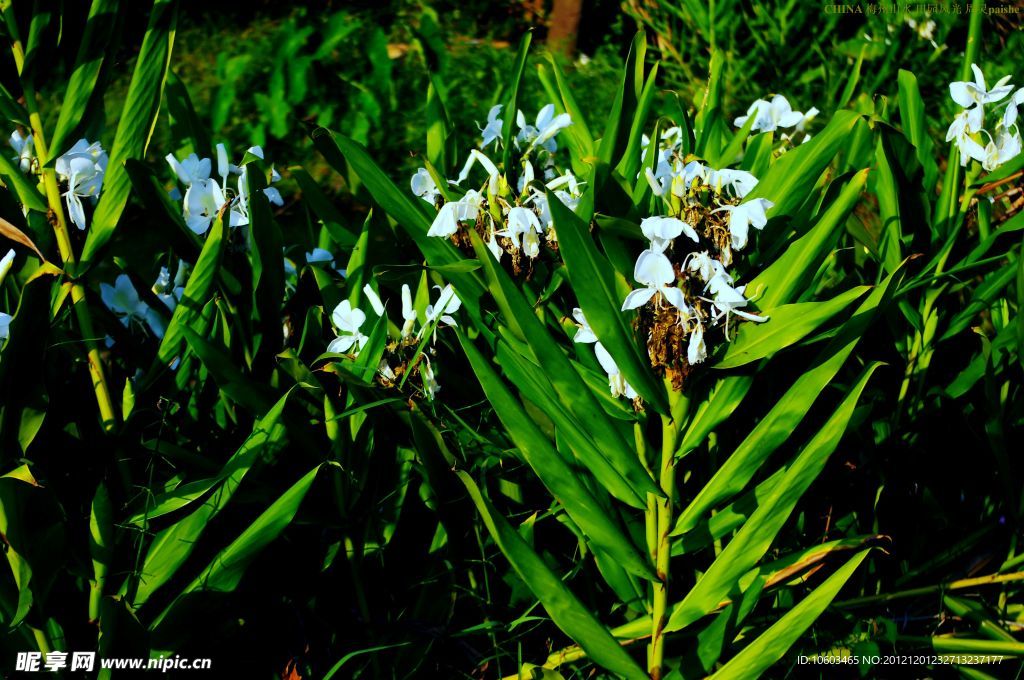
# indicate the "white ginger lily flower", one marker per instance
pixel 524 222
pixel 739 182
pixel 661 231
pixel 25 147
pixel 167 293
pixel 967 94
pixel 1001 149
pixel 191 169
pixel 447 304
pixel 744 216
pixel 547 126
pixel 5 264
pixel 423 185
pixel 965 123
pixel 408 312
pixel 123 300
pixel 1010 114
pixel 696 350
pixel 347 320
pixel 83 167
pixel 706 267
pixel 430 386
pixel 616 381
pixel 374 300
pixel 5 325
pixel 729 300
pixel 771 115
pixel 467 208
pixel 492 131
pixel 655 272
pixel 807 118
pixel 494 177
pixel 585 333
pixel 203 200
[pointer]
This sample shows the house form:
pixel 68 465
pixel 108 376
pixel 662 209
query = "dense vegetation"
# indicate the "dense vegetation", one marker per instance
pixel 385 342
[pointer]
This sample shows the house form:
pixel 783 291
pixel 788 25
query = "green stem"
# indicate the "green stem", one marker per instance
pixel 663 551
pixel 108 413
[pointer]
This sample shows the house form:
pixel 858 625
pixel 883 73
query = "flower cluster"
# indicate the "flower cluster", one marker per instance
pixel 124 301
pixel 205 196
pixel 1004 143
pixel 408 353
pixel 686 289
pixel 517 222
pixel 776 114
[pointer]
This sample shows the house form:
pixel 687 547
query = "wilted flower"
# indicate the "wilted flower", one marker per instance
pixel 696 350
pixel 82 167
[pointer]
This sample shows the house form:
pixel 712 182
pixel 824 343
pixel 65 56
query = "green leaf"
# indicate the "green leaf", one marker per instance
pixel 101 547
pixel 267 263
pixel 185 120
pixel 617 132
pixel 565 610
pixel 229 378
pixel 175 543
pixel 790 274
pixel 772 645
pixel 793 176
pixel 753 540
pixel 552 470
pixel 777 426
pixel 27 193
pixel 225 570
pixel 511 105
pixel 96 40
pixel 138 119
pixel 340 228
pixel 786 325
pixel 592 280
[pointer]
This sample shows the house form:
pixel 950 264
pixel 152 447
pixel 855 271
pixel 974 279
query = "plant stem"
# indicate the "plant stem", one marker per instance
pixel 663 552
pixel 108 414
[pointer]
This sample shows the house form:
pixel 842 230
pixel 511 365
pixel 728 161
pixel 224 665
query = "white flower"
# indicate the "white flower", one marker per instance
pixel 82 167
pixel 408 312
pixel 384 370
pixel 446 223
pixel 5 264
pixel 654 271
pixel 696 350
pixel 168 294
pixel 661 231
pixel 1004 147
pixel 25 148
pixel 423 185
pixel 770 115
pixel 430 386
pixel 492 132
pixel 319 255
pixel 967 94
pixel 705 266
pixel 1010 114
pixel 5 325
pixel 739 182
pixel 374 300
pixel 744 216
pixel 191 169
pixel 966 122
pixel 123 300
pixel 447 304
pixel 729 300
pixel 616 381
pixel 475 157
pixel 547 126
pixel 524 222
pixel 584 333
pixel 347 321
pixel 807 118
pixel 203 200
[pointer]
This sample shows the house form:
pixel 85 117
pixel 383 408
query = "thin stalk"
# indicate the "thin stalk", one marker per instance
pixel 663 552
pixel 104 400
pixel 962 584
